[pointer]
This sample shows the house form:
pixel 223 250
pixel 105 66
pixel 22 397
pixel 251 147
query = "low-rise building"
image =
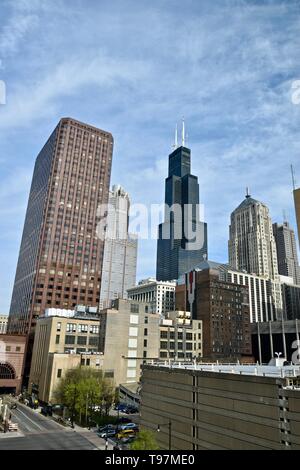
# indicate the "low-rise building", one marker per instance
pixel 180 337
pixel 159 294
pixel 12 349
pixel 218 407
pixel 61 337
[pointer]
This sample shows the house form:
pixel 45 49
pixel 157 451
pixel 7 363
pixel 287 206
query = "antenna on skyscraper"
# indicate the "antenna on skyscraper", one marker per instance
pixel 247 192
pixel 183 132
pixel 284 216
pixel 293 177
pixel 175 145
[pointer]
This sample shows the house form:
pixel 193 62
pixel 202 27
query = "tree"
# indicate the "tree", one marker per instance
pixel 145 440
pixel 82 389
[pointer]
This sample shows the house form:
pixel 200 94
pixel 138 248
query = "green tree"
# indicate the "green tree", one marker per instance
pixel 82 389
pixel 145 440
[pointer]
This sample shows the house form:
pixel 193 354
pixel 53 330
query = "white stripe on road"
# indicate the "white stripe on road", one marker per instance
pixel 29 419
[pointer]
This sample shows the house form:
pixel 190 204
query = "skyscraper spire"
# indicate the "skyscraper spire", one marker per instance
pixel 175 146
pixel 183 132
pixel 247 192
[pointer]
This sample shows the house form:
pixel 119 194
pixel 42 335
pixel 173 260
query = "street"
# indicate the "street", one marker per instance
pixel 40 433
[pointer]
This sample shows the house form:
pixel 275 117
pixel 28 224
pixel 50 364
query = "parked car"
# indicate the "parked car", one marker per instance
pixel 106 428
pixel 107 433
pixel 121 407
pixel 47 410
pixel 129 426
pixel 131 409
pixel 123 420
pixel 126 433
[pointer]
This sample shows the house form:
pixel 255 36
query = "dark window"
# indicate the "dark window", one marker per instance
pixel 59 371
pixel 134 308
pixel 81 340
pixel 70 339
pixel 145 343
pixel 145 331
pixel 57 339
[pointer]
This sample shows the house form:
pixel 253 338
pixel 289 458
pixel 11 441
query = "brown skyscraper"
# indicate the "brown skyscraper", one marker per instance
pixel 297 209
pixel 60 259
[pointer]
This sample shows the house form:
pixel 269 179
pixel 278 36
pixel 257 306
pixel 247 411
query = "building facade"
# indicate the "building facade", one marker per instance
pixel 252 246
pixel 3 324
pixel 297 209
pixel 182 237
pixel 61 254
pixel 180 337
pixel 61 338
pixel 223 308
pixel 218 407
pixel 120 251
pixel 287 256
pixel 129 336
pixel 12 348
pixel 159 294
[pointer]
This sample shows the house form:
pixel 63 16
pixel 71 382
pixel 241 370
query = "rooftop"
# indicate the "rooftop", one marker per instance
pixel 240 369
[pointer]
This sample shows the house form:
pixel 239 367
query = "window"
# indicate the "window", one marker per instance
pixel 145 354
pixel 59 372
pixel 145 331
pixel 145 343
pixel 134 308
pixel 146 320
pixel 58 326
pixel 93 341
pixel 57 339
pixel 70 339
pixel 18 349
pixel 81 340
pixel 8 348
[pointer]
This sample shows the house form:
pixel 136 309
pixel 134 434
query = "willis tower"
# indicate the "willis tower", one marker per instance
pixel 182 238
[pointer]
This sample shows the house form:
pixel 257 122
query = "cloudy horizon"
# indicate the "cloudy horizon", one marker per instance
pixel 134 68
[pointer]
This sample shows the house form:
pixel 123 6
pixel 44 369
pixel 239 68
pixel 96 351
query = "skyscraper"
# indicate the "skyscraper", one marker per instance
pixel 251 244
pixel 182 238
pixel 286 251
pixel 297 209
pixel 120 251
pixel 60 259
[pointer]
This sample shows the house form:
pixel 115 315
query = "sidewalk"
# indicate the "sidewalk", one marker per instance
pixel 92 437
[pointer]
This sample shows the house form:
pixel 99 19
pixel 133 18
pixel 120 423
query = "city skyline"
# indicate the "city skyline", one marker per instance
pixel 251 144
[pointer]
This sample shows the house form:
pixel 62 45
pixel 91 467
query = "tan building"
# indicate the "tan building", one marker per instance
pixel 3 324
pixel 59 343
pixel 297 209
pixel 180 337
pixel 217 407
pixel 129 335
pixel 12 349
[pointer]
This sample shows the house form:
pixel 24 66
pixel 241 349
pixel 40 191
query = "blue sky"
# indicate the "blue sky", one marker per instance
pixel 135 68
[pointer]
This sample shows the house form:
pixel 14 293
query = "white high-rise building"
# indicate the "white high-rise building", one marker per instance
pixel 160 294
pixel 120 250
pixel 252 246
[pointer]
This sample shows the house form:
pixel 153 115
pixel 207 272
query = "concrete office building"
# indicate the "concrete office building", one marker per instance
pixel 182 237
pixel 3 324
pixel 223 308
pixel 12 349
pixel 159 294
pixel 120 251
pixel 287 256
pixel 61 254
pixel 290 298
pixel 296 193
pixel 61 338
pixel 129 335
pixel 218 407
pixel 251 244
pixel 180 337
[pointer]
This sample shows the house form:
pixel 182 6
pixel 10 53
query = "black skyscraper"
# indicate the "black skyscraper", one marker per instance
pixel 179 251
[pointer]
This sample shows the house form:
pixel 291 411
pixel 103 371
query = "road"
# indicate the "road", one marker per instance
pixel 41 433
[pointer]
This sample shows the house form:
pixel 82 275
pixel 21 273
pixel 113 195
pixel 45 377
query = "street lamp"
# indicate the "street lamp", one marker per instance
pixel 278 354
pixel 170 432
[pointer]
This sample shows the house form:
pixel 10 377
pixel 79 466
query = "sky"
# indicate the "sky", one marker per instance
pixel 134 68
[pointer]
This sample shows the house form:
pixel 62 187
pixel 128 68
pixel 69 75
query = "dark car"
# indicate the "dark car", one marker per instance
pixel 131 410
pixel 121 407
pixel 47 410
pixel 123 420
